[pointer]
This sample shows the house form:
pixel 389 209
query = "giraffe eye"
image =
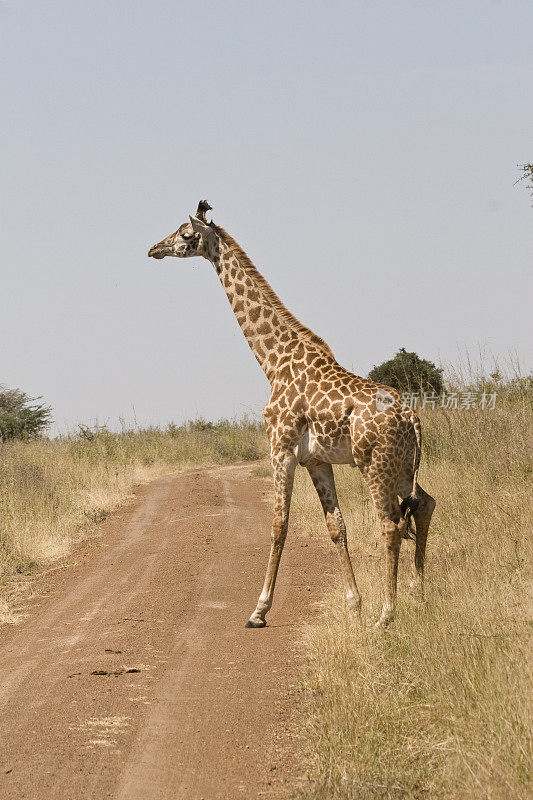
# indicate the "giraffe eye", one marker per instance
pixel 186 236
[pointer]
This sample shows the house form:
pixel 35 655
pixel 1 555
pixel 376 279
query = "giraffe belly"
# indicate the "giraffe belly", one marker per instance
pixel 315 446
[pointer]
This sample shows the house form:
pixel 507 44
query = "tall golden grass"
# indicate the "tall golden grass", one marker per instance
pixel 440 705
pixel 53 492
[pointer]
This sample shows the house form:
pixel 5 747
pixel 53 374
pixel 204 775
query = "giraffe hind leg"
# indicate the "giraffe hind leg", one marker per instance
pixel 382 485
pixel 417 506
pixel 392 532
pixel 422 516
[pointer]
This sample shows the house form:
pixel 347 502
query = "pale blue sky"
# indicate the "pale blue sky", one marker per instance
pixel 364 154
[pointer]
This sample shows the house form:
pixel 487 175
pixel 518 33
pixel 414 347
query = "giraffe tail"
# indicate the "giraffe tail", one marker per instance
pixel 411 503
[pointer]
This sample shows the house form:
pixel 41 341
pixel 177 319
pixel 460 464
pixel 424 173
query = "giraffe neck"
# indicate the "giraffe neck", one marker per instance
pixel 272 332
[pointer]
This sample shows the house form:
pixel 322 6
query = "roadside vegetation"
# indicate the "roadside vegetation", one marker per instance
pixel 440 705
pixel 55 491
pixel 22 417
pixel 407 372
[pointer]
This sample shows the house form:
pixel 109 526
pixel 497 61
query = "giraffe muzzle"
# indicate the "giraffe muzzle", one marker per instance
pixel 156 252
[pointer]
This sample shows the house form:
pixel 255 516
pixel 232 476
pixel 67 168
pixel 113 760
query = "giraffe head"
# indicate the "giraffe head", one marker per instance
pixel 194 238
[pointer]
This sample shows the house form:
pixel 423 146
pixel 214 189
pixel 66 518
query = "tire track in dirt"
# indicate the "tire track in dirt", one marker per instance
pixel 133 676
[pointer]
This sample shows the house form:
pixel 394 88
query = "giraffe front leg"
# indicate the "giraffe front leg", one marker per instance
pixel 324 483
pixel 283 465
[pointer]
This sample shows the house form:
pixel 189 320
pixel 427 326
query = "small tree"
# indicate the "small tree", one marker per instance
pixel 408 373
pixel 527 174
pixel 22 417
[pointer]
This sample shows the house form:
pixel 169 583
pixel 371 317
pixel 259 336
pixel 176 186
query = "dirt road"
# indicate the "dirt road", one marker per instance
pixel 132 676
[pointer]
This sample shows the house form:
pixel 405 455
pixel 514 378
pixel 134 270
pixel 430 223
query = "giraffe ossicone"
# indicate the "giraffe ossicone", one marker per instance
pixel 318 414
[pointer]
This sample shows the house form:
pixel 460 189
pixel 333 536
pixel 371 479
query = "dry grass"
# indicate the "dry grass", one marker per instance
pixel 53 492
pixel 439 706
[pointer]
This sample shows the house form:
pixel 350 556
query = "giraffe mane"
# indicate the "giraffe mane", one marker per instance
pixel 268 292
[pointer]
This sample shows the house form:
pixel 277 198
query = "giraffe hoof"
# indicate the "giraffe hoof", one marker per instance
pixel 417 589
pixel 252 623
pixel 383 623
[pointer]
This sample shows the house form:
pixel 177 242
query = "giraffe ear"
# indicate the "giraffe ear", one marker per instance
pixel 198 226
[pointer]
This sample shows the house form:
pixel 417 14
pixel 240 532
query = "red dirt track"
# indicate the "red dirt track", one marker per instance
pixel 132 676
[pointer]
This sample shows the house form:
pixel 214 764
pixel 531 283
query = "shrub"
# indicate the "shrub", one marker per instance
pixel 22 417
pixel 527 174
pixel 407 372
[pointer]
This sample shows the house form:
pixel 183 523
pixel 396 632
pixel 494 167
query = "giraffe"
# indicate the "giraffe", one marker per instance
pixel 318 414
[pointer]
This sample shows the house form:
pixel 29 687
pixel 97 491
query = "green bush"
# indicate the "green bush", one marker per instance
pixel 22 417
pixel 406 372
pixel 527 174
